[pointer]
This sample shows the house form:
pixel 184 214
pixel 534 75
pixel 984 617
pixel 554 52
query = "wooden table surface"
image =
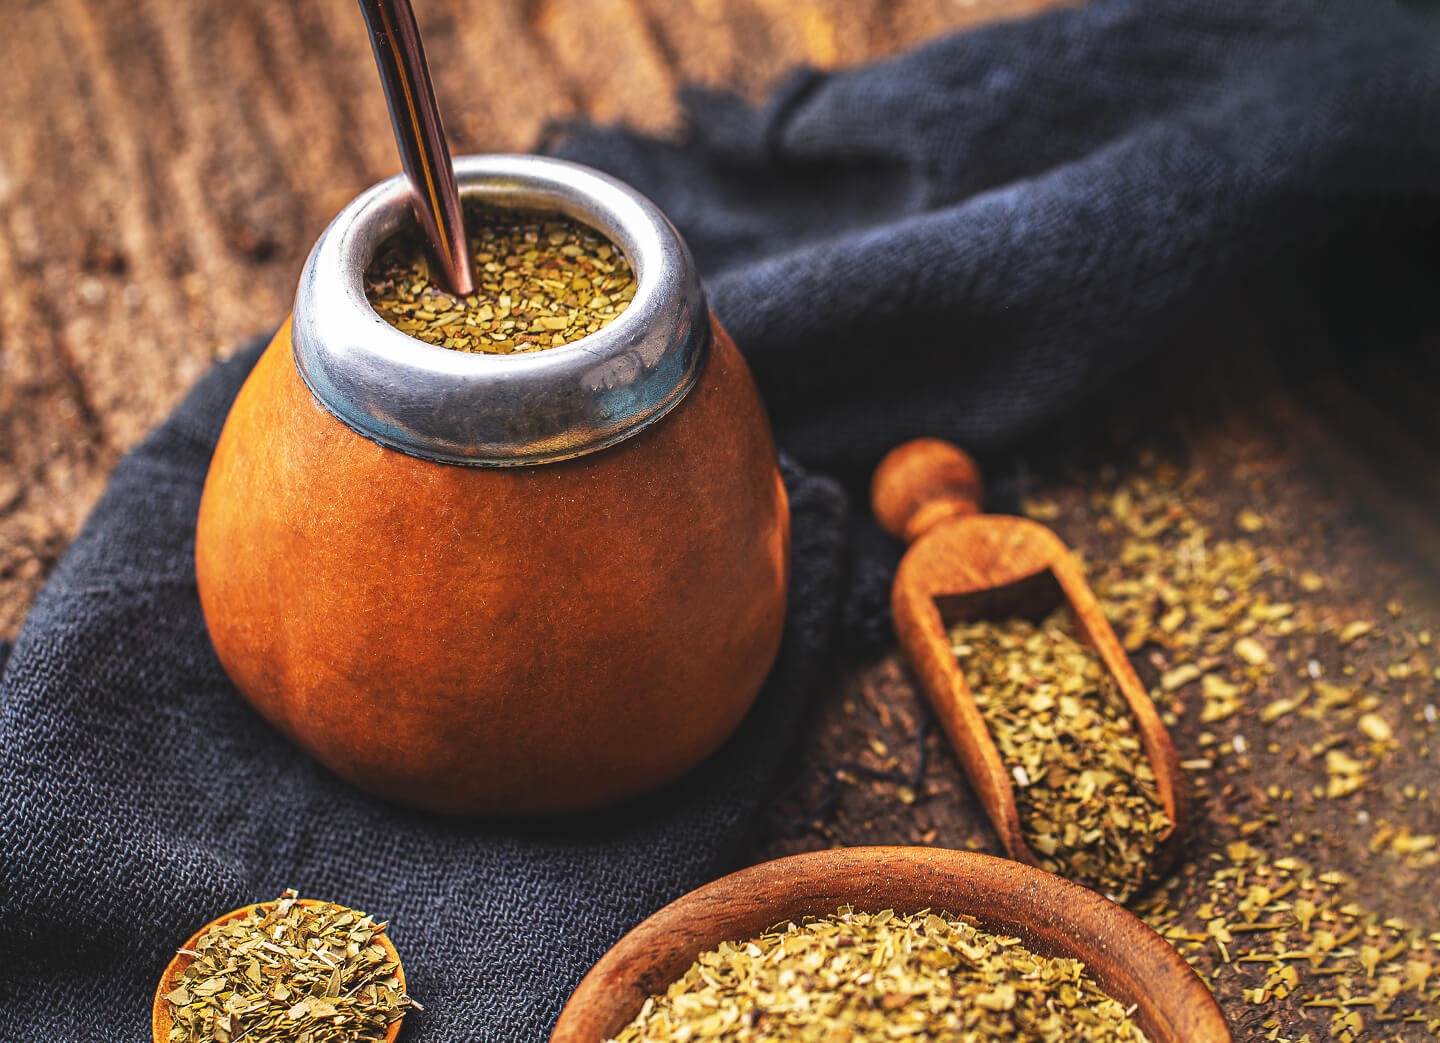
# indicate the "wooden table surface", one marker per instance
pixel 167 164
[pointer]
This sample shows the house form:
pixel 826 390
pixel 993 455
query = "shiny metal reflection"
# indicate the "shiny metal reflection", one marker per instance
pixel 503 410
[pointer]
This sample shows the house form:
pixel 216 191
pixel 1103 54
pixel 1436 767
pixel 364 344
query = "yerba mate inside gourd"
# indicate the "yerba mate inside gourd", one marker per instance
pixel 542 280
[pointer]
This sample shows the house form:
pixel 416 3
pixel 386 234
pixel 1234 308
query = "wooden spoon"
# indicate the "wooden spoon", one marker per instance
pixel 160 1021
pixel 962 565
pixel 1054 917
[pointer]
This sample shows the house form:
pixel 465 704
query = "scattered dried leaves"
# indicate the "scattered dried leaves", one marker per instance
pixel 1236 616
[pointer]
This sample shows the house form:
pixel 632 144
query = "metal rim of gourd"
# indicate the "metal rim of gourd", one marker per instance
pixel 536 407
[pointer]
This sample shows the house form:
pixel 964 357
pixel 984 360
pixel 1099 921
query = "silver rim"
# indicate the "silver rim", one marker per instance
pixel 503 410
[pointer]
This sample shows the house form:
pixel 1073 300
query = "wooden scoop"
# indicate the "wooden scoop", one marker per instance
pixel 963 565
pixel 160 1020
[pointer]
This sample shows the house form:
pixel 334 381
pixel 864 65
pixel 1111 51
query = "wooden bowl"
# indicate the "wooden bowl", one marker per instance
pixel 1052 916
pixel 160 1022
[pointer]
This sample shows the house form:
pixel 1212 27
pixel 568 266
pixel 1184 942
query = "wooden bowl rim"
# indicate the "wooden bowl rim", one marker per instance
pixel 1053 916
pixel 160 1022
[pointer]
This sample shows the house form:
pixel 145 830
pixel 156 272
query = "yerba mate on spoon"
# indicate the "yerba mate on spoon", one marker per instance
pixel 975 587
pixel 289 970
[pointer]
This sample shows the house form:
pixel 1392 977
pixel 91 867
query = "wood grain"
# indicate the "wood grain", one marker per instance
pixel 167 164
pixel 1054 917
pixel 965 565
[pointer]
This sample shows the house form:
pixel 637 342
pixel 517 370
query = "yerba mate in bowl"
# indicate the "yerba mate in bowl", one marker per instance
pixel 857 976
pixel 542 280
pixel 1049 916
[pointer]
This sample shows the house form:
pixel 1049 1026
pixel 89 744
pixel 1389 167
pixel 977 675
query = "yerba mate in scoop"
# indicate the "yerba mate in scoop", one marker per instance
pixel 1086 793
pixel 962 567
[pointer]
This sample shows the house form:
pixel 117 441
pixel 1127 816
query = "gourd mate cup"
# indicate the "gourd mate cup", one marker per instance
pixel 480 584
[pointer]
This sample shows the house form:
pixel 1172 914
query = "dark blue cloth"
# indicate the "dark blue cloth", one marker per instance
pixel 964 241
pixel 968 240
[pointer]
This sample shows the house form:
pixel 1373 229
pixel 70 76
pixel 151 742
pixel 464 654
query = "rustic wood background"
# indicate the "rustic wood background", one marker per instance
pixel 166 165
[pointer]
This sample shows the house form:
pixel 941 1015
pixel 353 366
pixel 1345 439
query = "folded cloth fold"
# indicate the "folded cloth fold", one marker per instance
pixel 962 241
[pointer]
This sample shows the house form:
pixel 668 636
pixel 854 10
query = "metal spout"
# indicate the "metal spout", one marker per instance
pixel 420 136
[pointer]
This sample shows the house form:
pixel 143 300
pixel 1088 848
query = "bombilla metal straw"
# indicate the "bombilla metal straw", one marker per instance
pixel 421 138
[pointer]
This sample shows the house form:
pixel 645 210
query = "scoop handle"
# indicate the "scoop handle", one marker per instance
pixel 923 482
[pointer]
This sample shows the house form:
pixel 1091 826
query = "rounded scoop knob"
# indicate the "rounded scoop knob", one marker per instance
pixel 923 482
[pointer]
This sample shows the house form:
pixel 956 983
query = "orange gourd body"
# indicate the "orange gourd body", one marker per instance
pixel 507 640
